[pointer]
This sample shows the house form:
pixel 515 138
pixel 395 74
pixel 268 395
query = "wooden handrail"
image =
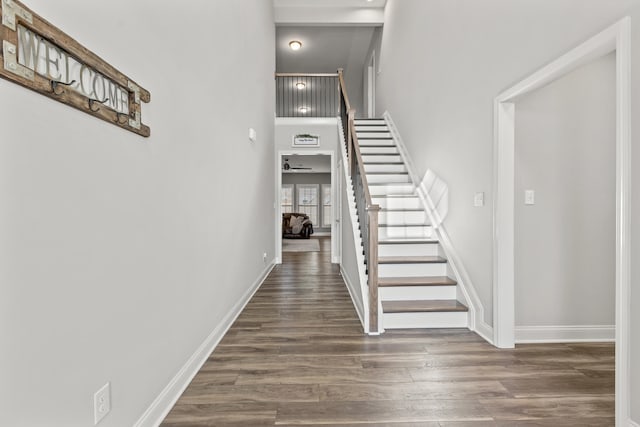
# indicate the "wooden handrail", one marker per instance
pixel 343 89
pixel 360 163
pixel 372 211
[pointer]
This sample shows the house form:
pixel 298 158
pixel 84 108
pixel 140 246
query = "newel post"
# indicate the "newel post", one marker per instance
pixel 373 211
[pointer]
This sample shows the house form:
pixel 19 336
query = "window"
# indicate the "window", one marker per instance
pixel 326 205
pixel 287 198
pixel 308 201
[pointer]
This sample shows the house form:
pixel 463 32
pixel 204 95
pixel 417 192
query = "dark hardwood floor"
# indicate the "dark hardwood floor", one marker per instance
pixel 297 356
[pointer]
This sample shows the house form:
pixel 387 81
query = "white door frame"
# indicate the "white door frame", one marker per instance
pixel 371 86
pixel 616 38
pixel 334 194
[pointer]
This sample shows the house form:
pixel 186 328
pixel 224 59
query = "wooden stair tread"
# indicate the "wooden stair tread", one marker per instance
pixel 416 281
pixel 404 225
pixel 423 306
pixel 382 163
pixel 377 146
pixel 390 183
pixel 408 241
pixel 411 260
pixel 387 173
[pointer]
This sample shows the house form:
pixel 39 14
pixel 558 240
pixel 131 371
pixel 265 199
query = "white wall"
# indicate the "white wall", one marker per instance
pixel 444 62
pixel 286 128
pixel 565 243
pixel 117 255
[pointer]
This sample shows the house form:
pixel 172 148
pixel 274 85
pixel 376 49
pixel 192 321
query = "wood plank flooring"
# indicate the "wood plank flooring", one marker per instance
pixel 297 356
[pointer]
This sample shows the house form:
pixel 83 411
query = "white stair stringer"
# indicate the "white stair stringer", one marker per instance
pixel 360 260
pixel 415 287
pixel 435 211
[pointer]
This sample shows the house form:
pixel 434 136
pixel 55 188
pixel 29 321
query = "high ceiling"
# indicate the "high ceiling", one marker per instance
pixel 324 49
pixel 329 3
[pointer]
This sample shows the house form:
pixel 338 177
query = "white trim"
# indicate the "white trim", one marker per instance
pixel 615 38
pixel 476 309
pixel 484 330
pixel 161 405
pixel 558 334
pixel 633 423
pixel 350 287
pixel 278 207
pixel 357 239
pixel 307 121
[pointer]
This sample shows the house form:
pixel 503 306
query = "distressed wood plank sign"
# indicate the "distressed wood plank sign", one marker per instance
pixel 37 55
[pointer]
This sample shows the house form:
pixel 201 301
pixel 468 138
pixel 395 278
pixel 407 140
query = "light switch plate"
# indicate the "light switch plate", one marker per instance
pixel 478 200
pixel 529 197
pixel 253 135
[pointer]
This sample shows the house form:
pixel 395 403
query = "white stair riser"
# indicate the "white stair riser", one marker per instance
pixel 425 320
pixel 381 134
pixel 402 217
pixel 381 190
pixel 405 249
pixel 375 142
pixel 399 232
pixel 385 168
pixel 409 293
pixel 386 178
pixel 360 122
pixel 397 202
pixel 362 127
pixel 378 150
pixel 412 270
pixel 381 159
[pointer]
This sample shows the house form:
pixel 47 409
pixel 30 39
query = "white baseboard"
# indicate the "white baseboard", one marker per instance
pixel 321 234
pixel 550 334
pixel 484 330
pixel 349 283
pixel 160 407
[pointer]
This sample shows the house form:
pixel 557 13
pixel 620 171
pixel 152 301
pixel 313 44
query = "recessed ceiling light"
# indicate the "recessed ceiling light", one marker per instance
pixel 300 85
pixel 295 45
pixel 303 110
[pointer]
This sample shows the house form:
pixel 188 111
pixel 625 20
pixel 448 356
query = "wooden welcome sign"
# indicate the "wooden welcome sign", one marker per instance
pixel 40 57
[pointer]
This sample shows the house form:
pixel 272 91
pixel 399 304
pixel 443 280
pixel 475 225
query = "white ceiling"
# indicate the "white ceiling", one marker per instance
pixel 329 3
pixel 324 49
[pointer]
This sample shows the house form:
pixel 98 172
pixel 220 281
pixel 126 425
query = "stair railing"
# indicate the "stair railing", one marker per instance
pixel 367 211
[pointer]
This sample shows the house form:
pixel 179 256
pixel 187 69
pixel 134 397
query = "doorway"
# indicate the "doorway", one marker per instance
pixel 616 38
pixel 370 86
pixel 307 217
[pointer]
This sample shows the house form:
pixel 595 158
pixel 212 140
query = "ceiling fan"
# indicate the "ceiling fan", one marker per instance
pixel 287 167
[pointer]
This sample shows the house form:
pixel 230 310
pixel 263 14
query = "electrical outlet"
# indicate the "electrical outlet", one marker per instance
pixel 264 257
pixel 101 403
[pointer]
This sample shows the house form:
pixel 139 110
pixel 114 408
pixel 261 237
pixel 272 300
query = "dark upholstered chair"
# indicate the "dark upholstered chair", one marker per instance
pixel 287 231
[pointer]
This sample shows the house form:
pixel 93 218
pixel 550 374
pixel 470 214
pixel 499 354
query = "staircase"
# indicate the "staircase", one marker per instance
pixel 414 278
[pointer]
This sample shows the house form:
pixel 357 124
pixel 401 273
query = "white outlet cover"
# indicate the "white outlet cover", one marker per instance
pixel 101 403
pixel 253 135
